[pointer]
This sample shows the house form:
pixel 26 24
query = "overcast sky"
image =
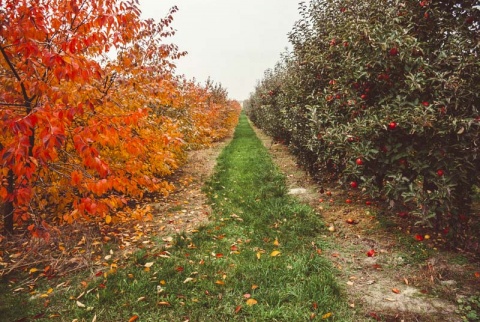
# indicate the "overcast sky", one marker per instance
pixel 232 41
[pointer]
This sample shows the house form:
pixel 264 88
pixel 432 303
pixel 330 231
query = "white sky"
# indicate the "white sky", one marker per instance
pixel 232 41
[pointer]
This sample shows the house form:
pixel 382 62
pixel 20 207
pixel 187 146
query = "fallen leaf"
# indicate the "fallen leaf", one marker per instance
pixel 163 303
pixel 251 302
pixel 247 295
pixel 254 287
pixel 477 274
pixel 149 264
pixel 219 282
pixel 80 304
pixel 396 290
pixel 275 253
pixel 237 309
pixel 327 315
pixel 188 279
pixel 259 255
pixel 371 253
pixel 133 318
pixel 275 242
pixel 108 219
pixel 33 270
pixel 142 298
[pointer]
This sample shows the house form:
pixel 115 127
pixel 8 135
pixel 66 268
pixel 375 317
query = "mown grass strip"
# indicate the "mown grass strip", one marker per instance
pixel 258 260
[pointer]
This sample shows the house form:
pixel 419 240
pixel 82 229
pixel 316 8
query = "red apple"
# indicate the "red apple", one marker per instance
pixel 354 184
pixel 440 173
pixel 371 253
pixel 426 104
pixel 393 51
pixel 392 125
pixel 359 161
pixel 368 203
pixel 403 214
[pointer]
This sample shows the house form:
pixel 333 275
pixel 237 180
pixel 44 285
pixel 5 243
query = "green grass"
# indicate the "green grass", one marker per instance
pixel 209 274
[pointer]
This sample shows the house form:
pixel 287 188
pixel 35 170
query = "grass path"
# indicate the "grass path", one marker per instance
pixel 259 259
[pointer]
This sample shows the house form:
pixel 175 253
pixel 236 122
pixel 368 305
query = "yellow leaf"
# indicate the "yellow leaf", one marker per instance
pixel 327 315
pixel 33 270
pixel 259 255
pixel 254 286
pixel 220 282
pixel 275 242
pixel 108 219
pixel 80 304
pixel 50 290
pixel 275 253
pixel 149 264
pixel 251 302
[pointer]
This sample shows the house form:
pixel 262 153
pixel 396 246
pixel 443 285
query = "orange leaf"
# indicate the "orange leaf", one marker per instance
pixel 396 290
pixel 251 302
pixel 275 242
pixel 163 303
pixel 237 309
pixel 133 318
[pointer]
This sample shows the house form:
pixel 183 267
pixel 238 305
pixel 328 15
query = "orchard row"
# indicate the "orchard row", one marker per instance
pixel 92 113
pixel 385 100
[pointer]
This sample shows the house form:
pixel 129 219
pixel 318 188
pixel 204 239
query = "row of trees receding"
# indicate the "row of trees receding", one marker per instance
pixel 81 133
pixel 385 98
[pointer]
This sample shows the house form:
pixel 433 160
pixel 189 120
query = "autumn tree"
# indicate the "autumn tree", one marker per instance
pixel 81 132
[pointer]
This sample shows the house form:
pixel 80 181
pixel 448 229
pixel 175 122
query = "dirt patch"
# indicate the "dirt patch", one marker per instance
pixel 187 207
pixel 385 281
